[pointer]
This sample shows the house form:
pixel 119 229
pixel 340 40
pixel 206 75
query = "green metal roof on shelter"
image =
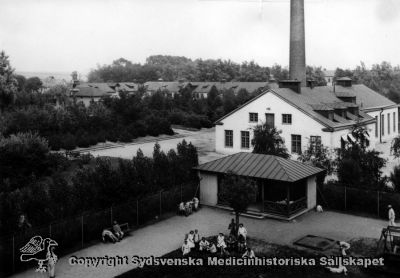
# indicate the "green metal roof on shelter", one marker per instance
pixel 261 166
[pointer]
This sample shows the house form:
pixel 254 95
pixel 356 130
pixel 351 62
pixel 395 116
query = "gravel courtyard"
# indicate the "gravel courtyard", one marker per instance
pixel 167 235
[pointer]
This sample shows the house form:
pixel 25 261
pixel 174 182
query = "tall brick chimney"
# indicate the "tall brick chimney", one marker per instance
pixel 297 60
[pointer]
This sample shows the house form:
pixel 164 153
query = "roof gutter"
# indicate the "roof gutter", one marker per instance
pixel 332 129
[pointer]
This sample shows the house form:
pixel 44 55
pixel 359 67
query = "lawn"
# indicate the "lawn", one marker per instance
pixel 364 247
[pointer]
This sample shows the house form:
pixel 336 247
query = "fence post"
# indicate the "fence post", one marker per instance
pixel 160 202
pixel 345 198
pixel 82 229
pixel 13 254
pixel 111 215
pixel 137 212
pixel 378 204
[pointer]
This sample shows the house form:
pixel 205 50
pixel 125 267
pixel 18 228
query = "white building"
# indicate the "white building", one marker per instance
pixel 321 114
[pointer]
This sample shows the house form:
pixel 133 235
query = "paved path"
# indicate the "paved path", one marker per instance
pixel 167 235
pixel 203 139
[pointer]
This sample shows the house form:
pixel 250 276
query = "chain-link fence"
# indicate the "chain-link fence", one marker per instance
pixel 76 233
pixel 357 200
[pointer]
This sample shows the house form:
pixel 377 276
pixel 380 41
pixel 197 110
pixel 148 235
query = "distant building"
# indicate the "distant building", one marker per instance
pixel 329 75
pixel 167 88
pixel 202 91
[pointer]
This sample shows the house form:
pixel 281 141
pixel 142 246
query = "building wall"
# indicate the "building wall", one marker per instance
pixel 387 136
pixel 302 125
pixel 311 192
pixel 208 189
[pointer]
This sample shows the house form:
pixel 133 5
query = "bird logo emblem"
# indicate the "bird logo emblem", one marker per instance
pixel 37 249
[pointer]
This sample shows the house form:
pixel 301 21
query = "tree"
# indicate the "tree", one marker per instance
pixel 238 192
pixel 267 140
pixel 8 83
pixel 319 156
pixel 395 178
pixel 33 84
pixel 357 165
pixel 316 74
pixel 395 147
pixel 21 80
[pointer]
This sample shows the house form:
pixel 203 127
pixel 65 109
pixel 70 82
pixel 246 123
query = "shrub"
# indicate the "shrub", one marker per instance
pixel 395 178
pixel 68 142
pixel 55 142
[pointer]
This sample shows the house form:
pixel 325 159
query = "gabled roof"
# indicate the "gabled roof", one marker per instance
pixel 261 166
pixel 86 91
pixel 344 79
pixel 309 101
pixel 235 86
pixel 203 88
pixel 171 86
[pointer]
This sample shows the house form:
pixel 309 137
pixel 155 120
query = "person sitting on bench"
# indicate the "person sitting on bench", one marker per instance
pixel 203 244
pixel 188 209
pixel 185 248
pixel 212 248
pixel 221 243
pixel 117 231
pixel 241 244
pixel 249 253
pixel 190 239
pixel 195 203
pixel 107 235
pixel 181 208
pixel 231 243
pixel 242 231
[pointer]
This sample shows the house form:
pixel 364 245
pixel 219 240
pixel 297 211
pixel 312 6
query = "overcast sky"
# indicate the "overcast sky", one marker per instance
pixel 66 35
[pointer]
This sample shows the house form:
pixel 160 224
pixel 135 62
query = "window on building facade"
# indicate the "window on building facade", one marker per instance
pixel 296 143
pixel 253 117
pixel 228 138
pixel 383 124
pixel 376 127
pixel 394 121
pixel 287 119
pixel 245 135
pixel 315 142
pixel 388 116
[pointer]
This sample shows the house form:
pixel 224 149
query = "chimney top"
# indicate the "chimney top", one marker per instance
pixel 344 81
pixel 294 85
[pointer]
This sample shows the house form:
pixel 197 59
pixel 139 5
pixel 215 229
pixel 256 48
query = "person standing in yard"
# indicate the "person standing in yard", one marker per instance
pixel 51 262
pixel 242 231
pixel 195 203
pixel 392 216
pixel 196 238
pixel 232 227
pixel 185 248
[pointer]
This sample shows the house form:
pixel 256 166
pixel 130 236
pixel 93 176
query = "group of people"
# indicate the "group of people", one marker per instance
pixel 186 208
pixel 192 240
pixel 114 234
pixel 236 241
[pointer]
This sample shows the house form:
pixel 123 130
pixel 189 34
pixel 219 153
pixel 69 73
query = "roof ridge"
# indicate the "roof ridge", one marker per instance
pixel 277 158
